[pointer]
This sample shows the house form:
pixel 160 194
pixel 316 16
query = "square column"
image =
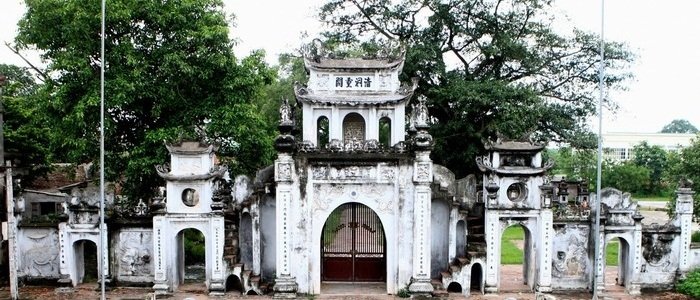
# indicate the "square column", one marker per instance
pixel 160 254
pixel 285 283
pixel 217 285
pixel 544 282
pixel 493 251
pixel 600 270
pixel 684 219
pixel 422 177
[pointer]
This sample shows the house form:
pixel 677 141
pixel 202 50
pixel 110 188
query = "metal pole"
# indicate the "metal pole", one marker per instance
pixel 103 253
pixel 601 87
pixel 11 232
pixel 2 121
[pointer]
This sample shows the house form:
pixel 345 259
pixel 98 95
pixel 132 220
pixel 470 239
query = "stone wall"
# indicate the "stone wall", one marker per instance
pixel 132 255
pixel 439 226
pixel 571 261
pixel 38 253
pixel 267 238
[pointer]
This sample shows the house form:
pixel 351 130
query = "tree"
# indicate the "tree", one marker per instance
pixel 170 73
pixel 574 163
pixel 625 176
pixel 26 135
pixel 507 70
pixel 679 126
pixel 686 165
pixel 689 168
pixel 653 158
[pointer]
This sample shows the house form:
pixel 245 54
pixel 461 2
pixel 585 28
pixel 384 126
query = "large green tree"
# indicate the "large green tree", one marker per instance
pixel 685 165
pixel 652 157
pixel 679 126
pixel 170 72
pixel 26 134
pixel 486 67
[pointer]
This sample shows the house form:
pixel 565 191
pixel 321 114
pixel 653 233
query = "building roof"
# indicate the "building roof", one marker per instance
pixel 328 64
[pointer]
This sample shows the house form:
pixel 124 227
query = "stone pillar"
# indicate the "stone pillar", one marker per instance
pixel 544 282
pixel 684 219
pixel 217 285
pixel 285 283
pixel 422 177
pixel 600 269
pixel 11 233
pixel 335 125
pixel 66 254
pixel 160 256
pixel 493 251
pixel 634 288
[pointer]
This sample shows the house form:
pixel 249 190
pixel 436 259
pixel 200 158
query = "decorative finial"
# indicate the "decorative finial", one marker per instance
pixel 285 113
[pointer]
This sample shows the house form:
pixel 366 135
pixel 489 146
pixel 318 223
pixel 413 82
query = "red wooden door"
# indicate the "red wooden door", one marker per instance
pixel 353 245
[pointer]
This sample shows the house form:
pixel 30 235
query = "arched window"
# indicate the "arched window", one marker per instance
pixel 385 132
pixel 322 133
pixel 353 128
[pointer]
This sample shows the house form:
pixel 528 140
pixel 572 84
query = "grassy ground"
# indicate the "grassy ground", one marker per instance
pixel 512 255
pixel 655 199
pixel 611 253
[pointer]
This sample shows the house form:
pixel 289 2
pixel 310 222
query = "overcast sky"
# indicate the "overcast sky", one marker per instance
pixel 664 34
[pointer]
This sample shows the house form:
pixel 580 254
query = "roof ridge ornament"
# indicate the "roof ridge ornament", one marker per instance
pixel 391 52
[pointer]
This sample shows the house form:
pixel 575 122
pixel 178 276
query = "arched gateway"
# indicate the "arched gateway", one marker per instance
pixel 353 245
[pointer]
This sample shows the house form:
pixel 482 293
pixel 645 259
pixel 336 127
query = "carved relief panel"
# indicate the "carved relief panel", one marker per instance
pixel 39 251
pixel 134 253
pixel 570 252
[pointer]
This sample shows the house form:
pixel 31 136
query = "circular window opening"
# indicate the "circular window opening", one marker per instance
pixel 517 192
pixel 190 197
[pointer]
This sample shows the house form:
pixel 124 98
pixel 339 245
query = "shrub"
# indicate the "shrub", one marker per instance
pixel 690 285
pixel 695 238
pixel 403 293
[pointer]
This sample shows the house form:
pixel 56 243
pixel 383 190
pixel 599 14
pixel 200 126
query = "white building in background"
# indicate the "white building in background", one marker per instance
pixel 618 145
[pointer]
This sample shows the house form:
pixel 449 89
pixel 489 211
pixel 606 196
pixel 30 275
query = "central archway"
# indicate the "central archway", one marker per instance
pixel 353 245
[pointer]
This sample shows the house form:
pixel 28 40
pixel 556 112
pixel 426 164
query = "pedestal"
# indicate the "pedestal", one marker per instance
pixel 285 288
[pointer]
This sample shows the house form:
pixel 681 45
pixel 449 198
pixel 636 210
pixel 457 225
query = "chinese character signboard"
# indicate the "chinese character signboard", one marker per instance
pixel 354 82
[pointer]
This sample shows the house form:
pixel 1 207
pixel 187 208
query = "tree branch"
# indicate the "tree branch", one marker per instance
pixel 43 78
pixel 371 22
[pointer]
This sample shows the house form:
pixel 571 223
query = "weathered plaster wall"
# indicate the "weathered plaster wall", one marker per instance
pixel 385 188
pixel 571 262
pixel 659 263
pixel 132 255
pixel 246 240
pixel 694 256
pixel 440 222
pixel 267 237
pixel 38 252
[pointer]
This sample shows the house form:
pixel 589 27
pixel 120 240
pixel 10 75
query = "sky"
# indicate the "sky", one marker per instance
pixel 664 35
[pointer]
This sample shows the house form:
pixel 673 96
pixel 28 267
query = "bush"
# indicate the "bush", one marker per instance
pixel 690 285
pixel 626 177
pixel 194 247
pixel 695 238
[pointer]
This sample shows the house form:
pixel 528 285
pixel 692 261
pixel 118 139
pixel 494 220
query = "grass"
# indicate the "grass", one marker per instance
pixel 611 253
pixel 653 198
pixel 511 255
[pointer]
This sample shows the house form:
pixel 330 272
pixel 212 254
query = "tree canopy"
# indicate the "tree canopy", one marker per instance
pixel 487 67
pixel 170 73
pixel 26 137
pixel 679 126
pixel 652 157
